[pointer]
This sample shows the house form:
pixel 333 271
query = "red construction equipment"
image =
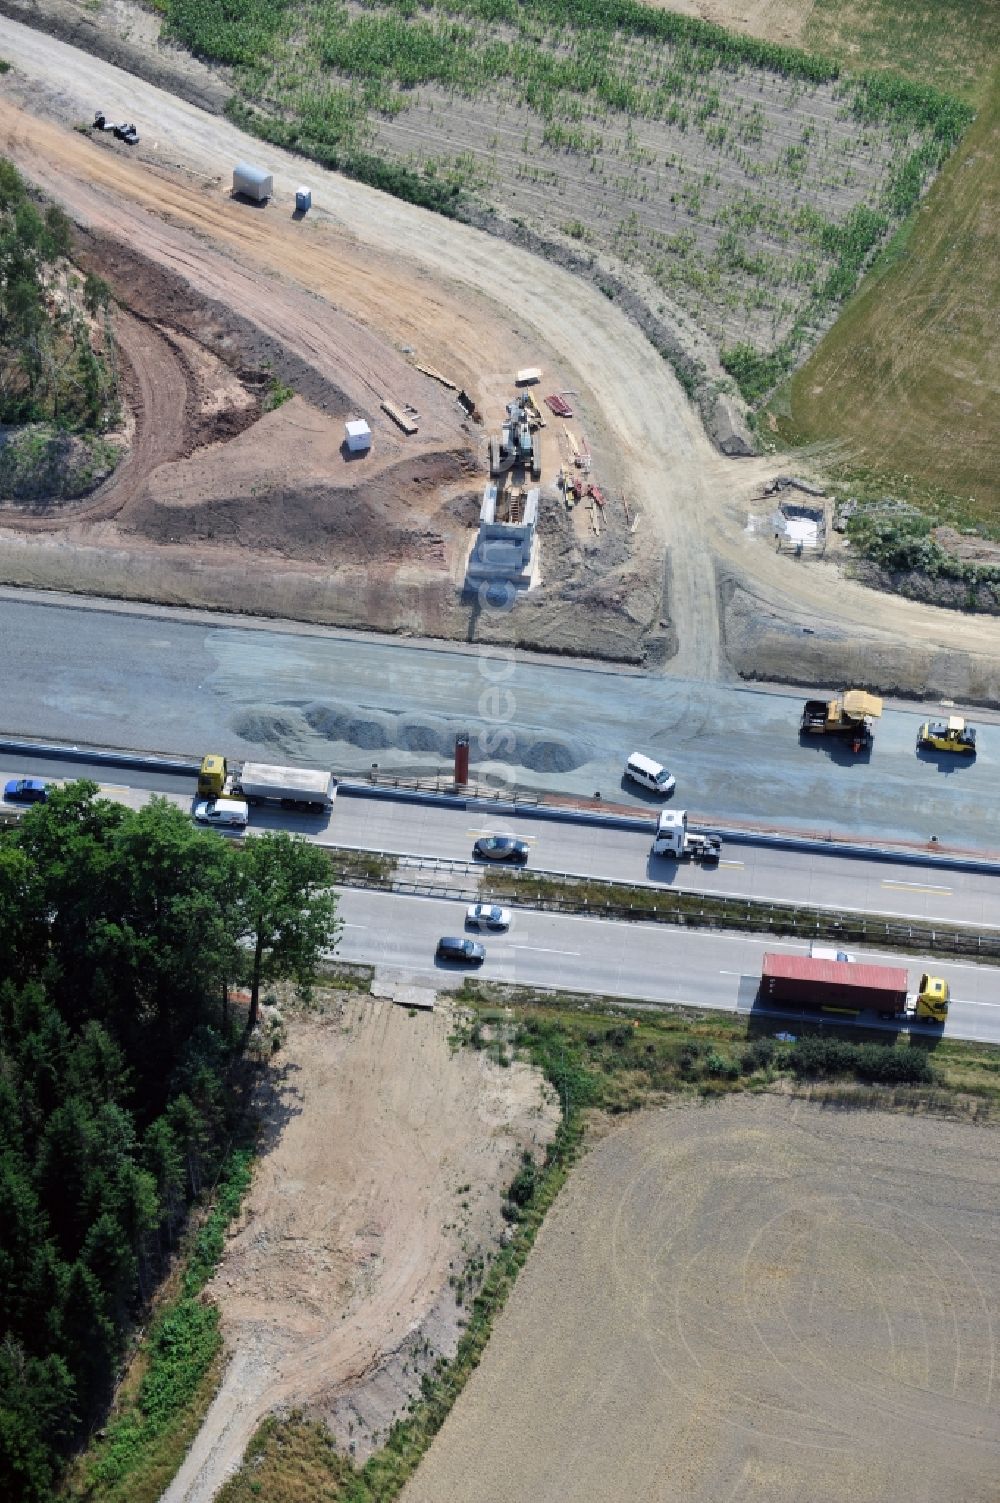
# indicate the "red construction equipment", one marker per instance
pixel 556 404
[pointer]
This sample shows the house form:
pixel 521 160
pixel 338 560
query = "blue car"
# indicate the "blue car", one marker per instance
pixel 26 791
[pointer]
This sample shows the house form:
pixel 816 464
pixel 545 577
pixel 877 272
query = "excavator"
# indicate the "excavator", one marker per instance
pixel 951 735
pixel 849 716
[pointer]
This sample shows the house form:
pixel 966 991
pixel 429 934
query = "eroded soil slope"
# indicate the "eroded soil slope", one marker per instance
pixel 384 1159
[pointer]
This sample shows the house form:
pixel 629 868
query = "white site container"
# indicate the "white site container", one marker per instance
pixel 252 182
pixel 359 435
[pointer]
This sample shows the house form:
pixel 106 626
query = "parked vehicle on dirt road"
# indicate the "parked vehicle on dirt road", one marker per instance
pixel 458 947
pixel 849 717
pixel 126 133
pixel 951 735
pixel 849 988
pixel 501 848
pixel 488 916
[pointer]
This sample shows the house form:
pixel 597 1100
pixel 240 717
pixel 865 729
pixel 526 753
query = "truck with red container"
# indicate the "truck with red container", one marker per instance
pixel 849 987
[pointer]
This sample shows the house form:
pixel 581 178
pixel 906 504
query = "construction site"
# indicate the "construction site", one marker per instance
pixel 253 335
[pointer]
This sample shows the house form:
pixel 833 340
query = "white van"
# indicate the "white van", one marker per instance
pixel 230 813
pixel 650 774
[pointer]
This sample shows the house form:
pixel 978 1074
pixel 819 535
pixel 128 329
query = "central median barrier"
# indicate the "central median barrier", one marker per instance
pixel 626 902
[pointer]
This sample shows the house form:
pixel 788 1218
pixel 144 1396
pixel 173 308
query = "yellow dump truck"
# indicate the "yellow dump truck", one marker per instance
pixel 850 717
pixel 951 735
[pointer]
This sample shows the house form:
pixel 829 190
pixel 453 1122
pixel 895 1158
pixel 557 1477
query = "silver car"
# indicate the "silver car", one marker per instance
pixel 488 916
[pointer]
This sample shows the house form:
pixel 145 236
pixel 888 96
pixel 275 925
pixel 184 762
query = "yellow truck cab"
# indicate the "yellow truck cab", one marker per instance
pixel 933 996
pixel 212 776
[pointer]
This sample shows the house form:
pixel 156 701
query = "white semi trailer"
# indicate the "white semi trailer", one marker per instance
pixel 261 782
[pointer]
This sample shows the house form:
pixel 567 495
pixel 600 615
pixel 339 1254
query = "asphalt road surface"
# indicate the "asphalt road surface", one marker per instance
pixel 638 962
pixel 152 679
pixel 918 892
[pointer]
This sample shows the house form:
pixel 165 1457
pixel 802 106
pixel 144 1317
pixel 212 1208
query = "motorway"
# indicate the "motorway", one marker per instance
pixel 632 961
pixel 187 682
pixel 649 963
pixel 821 879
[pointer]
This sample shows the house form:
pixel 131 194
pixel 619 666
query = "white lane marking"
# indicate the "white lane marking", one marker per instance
pixel 732 863
pixel 730 973
pixel 355 926
pixel 918 887
pixel 541 950
pixel 501 832
pixel 962 1002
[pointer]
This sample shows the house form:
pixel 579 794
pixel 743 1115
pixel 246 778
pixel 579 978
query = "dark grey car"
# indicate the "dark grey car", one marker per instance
pixel 501 848
pixel 457 947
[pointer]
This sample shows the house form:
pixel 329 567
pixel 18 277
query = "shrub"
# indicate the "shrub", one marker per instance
pixel 881 1063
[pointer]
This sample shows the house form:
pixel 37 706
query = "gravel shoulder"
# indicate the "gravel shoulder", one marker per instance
pixel 754 1299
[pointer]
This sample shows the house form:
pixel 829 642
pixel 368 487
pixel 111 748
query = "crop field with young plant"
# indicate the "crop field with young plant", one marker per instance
pixel 740 181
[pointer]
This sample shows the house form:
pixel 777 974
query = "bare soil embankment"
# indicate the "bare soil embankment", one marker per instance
pixel 384 1158
pixel 755 1299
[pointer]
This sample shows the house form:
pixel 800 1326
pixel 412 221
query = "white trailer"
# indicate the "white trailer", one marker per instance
pixel 674 839
pixel 292 787
pixel 252 182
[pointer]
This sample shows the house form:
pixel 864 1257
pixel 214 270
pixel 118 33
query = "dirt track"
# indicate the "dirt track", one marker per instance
pixel 383 1160
pixel 449 291
pixel 753 1300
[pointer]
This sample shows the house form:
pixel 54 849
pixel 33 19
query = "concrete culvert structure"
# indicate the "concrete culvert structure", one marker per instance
pixel 252 182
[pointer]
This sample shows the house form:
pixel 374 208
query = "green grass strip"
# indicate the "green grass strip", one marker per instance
pixel 145 1443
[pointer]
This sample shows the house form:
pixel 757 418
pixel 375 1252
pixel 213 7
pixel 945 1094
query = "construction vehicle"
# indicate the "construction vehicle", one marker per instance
pixel 126 133
pixel 258 783
pixel 951 735
pixel 849 987
pixel 673 838
pixel 849 716
pixel 518 444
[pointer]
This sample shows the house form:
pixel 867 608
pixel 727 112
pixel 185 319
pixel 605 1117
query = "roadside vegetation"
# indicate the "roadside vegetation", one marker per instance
pixel 742 180
pixel 58 373
pixel 606 1059
pixel 122 1082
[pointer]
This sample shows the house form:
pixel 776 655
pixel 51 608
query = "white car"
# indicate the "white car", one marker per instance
pixel 227 813
pixel 488 916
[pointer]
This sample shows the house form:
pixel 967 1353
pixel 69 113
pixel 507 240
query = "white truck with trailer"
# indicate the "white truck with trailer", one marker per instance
pixel 674 839
pixel 260 783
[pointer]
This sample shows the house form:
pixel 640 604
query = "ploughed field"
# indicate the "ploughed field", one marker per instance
pixel 754 1299
pixel 741 181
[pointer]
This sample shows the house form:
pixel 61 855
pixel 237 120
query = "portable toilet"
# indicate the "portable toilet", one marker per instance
pixel 359 436
pixel 303 200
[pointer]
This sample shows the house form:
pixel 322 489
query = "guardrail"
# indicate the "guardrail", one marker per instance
pixel 443 790
pixel 677 908
pixel 440 784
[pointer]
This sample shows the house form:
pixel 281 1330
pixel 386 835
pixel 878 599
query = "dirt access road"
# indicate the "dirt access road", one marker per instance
pixel 755 1299
pixel 383 1159
pixel 446 288
pixel 425 281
